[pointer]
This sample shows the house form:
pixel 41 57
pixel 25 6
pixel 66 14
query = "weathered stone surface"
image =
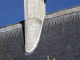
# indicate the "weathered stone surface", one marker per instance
pixel 33 29
pixel 60 39
pixel 34 11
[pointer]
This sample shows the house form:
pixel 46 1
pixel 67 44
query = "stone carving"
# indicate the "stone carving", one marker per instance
pixel 34 11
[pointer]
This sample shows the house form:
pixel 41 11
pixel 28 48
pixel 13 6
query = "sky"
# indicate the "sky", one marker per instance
pixel 12 11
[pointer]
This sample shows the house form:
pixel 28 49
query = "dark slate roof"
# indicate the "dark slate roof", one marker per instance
pixel 60 39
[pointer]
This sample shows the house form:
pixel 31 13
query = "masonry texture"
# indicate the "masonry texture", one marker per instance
pixel 60 39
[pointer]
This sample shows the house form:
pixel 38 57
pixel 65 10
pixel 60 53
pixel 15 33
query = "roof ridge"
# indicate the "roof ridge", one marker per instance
pixel 63 9
pixel 49 15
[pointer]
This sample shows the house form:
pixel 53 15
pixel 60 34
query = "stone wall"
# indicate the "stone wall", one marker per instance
pixel 60 39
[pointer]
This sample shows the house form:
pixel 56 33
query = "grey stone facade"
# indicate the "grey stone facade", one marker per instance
pixel 60 39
